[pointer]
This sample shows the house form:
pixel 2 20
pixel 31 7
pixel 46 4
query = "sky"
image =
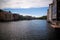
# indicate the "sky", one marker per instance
pixel 26 7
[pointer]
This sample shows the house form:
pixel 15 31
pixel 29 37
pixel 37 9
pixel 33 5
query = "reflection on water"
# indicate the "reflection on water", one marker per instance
pixel 28 30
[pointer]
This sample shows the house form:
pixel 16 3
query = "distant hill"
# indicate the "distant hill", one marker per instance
pixel 43 17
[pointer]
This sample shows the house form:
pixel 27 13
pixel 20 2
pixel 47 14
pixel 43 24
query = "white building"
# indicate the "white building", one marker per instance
pixel 49 13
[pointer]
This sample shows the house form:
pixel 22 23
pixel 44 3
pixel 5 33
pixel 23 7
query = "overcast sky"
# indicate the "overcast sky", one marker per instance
pixel 24 4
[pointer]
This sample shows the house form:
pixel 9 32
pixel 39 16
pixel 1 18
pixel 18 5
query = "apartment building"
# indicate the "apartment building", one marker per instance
pixel 54 14
pixel 5 16
pixel 49 13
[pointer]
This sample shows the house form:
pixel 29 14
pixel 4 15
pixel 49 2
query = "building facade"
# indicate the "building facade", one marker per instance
pixel 54 14
pixel 49 13
pixel 16 16
pixel 5 16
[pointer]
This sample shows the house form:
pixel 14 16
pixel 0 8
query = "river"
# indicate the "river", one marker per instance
pixel 27 30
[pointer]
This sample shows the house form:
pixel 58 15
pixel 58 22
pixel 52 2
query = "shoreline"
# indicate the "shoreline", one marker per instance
pixel 18 20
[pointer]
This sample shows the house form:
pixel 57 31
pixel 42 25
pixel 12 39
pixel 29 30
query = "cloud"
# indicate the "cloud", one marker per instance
pixel 24 3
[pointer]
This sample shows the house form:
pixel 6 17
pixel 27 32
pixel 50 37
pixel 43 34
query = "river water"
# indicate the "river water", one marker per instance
pixel 27 30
